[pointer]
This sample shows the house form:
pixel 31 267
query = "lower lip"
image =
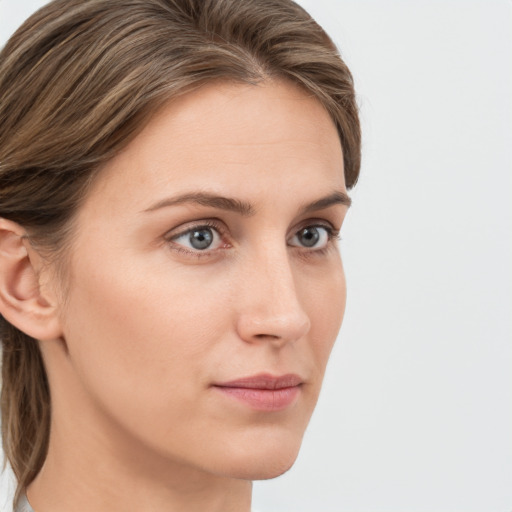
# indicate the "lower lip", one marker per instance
pixel 268 400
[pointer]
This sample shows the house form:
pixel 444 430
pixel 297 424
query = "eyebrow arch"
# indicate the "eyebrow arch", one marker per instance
pixel 207 199
pixel 242 207
pixel 337 197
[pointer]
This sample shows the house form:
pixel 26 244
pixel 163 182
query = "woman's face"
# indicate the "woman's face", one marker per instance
pixel 205 284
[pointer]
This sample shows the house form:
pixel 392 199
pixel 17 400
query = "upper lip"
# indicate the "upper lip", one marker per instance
pixel 263 381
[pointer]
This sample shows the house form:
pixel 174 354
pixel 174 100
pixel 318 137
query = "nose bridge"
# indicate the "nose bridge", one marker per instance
pixel 270 307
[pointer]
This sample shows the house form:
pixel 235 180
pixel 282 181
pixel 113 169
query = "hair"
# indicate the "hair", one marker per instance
pixel 79 80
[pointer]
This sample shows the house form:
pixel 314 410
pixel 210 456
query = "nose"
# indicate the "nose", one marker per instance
pixel 268 306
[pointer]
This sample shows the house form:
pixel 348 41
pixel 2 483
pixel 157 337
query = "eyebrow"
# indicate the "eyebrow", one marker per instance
pixel 242 207
pixel 337 197
pixel 206 199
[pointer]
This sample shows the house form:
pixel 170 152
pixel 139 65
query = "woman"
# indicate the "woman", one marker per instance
pixel 173 178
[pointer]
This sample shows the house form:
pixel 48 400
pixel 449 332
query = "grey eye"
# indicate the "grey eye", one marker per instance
pixel 199 238
pixel 308 237
pixel 311 236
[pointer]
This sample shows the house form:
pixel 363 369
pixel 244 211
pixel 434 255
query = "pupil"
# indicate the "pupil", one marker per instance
pixel 201 238
pixel 309 236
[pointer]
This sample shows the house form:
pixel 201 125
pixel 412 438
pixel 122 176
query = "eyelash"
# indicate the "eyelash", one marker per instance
pixel 333 236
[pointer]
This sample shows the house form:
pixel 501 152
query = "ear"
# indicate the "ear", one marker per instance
pixel 23 301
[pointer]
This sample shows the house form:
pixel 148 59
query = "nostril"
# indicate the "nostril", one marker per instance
pixel 263 336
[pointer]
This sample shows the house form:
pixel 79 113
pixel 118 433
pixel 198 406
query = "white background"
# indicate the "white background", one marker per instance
pixel 416 412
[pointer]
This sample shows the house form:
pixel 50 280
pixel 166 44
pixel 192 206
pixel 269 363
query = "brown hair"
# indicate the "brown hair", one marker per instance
pixel 78 80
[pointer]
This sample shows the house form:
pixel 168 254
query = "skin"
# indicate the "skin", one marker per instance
pixel 149 323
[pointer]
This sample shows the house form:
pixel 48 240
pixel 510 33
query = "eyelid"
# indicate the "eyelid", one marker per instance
pixel 321 223
pixel 190 226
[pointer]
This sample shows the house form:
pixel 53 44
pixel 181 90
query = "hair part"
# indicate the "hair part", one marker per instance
pixel 79 80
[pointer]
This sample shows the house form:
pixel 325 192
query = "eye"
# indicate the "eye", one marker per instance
pixel 316 237
pixel 199 238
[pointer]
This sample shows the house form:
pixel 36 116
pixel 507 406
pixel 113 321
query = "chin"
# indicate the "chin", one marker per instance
pixel 273 469
pixel 262 459
pixel 262 469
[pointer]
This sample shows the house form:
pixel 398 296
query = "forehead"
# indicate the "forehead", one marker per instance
pixel 232 135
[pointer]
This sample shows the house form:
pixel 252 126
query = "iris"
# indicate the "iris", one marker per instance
pixel 201 238
pixel 309 236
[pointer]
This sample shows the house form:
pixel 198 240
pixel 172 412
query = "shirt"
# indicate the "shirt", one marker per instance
pixel 24 505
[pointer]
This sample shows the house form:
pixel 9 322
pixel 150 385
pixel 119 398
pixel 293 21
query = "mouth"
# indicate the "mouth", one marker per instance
pixel 263 392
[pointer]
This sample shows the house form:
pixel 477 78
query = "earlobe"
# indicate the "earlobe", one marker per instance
pixel 22 302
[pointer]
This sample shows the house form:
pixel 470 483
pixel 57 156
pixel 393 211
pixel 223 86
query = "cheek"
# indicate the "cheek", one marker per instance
pixel 141 339
pixel 325 300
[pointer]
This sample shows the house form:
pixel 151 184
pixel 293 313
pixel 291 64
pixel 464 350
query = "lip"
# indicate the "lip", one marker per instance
pixel 263 392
